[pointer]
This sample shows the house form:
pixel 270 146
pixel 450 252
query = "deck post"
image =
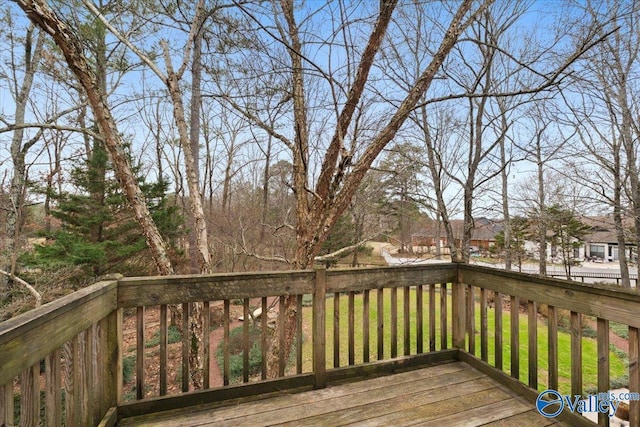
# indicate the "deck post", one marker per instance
pixel 459 311
pixel 112 388
pixel 319 336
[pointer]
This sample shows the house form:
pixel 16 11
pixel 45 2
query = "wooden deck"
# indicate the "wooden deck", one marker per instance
pixel 451 394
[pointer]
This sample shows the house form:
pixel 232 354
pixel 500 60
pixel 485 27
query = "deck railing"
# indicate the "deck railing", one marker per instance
pixel 64 363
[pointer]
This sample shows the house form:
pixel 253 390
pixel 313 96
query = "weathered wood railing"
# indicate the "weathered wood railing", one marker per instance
pixel 362 321
pixel 594 304
pixel 75 340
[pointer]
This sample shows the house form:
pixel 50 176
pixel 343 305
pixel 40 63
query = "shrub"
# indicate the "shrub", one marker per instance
pixel 173 336
pixel 236 353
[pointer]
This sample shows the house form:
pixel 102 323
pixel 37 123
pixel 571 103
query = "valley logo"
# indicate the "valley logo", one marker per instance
pixel 550 403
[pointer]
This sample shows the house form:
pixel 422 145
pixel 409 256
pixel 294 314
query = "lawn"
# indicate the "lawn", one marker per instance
pixel 589 347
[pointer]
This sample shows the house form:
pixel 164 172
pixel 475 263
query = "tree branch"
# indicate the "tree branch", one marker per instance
pixel 343 250
pixel 12 127
pixel 30 288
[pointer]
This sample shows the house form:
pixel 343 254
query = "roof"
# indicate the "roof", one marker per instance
pixel 603 229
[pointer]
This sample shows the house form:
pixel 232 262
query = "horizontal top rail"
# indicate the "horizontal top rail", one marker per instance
pixel 345 280
pixel 142 291
pixel 614 304
pixel 26 339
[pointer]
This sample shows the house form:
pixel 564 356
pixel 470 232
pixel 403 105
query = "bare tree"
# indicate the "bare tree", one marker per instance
pixel 606 110
pixel 32 46
pixel 343 165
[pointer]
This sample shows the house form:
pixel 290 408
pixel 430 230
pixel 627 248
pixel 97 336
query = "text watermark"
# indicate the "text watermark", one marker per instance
pixel 551 403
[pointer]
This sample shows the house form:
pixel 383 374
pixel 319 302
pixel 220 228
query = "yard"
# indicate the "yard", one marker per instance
pixel 589 347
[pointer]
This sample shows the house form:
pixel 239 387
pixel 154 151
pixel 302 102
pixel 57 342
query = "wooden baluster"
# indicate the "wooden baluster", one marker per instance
pixel 70 383
pixel 163 349
pixel 471 319
pixel 634 375
pixel 552 320
pixel 6 405
pixel 443 316
pixel 225 355
pixel 351 328
pixel 264 325
pixel 576 353
pixel 419 319
pixel 380 320
pixel 514 313
pixel 336 330
pixel 53 383
pixel 603 365
pixel 140 337
pixel 245 340
pixel 406 317
pixel 432 317
pixel 100 358
pixel 30 397
pixel 319 326
pixel 498 330
pixel 116 344
pixel 88 380
pixel 394 322
pixel 532 324
pixel 186 313
pixel 365 326
pixel 206 345
pixel 484 326
pixel 281 335
pixel 299 335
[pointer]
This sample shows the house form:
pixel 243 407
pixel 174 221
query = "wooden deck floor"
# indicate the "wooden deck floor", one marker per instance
pixel 453 394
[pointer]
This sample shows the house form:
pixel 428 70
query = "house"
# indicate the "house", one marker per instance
pixel 601 243
pixel 482 235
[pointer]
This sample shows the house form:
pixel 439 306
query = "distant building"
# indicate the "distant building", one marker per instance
pixel 601 244
pixel 483 235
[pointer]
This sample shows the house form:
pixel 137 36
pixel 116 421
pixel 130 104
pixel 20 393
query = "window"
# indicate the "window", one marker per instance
pixel 596 251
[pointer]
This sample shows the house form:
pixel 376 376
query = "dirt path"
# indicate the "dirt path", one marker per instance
pixel 215 374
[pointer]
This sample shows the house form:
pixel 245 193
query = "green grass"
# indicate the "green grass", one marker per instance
pixel 618 366
pixel 173 336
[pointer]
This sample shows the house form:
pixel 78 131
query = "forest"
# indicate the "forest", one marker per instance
pixel 162 137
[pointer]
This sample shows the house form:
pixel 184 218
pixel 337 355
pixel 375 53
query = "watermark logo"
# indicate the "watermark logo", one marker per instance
pixel 550 403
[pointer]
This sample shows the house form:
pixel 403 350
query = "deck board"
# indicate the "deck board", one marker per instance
pixel 448 394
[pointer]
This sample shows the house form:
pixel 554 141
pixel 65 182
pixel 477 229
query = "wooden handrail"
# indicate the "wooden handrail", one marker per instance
pixel 75 337
pixel 603 303
pixel 88 324
pixel 606 302
pixel 26 339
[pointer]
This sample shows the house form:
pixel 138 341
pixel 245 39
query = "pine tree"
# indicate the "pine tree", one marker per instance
pixel 97 229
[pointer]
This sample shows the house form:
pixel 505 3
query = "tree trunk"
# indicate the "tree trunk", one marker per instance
pixel 335 188
pixel 504 175
pixel 194 133
pixel 40 14
pixel 542 211
pixel 17 192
